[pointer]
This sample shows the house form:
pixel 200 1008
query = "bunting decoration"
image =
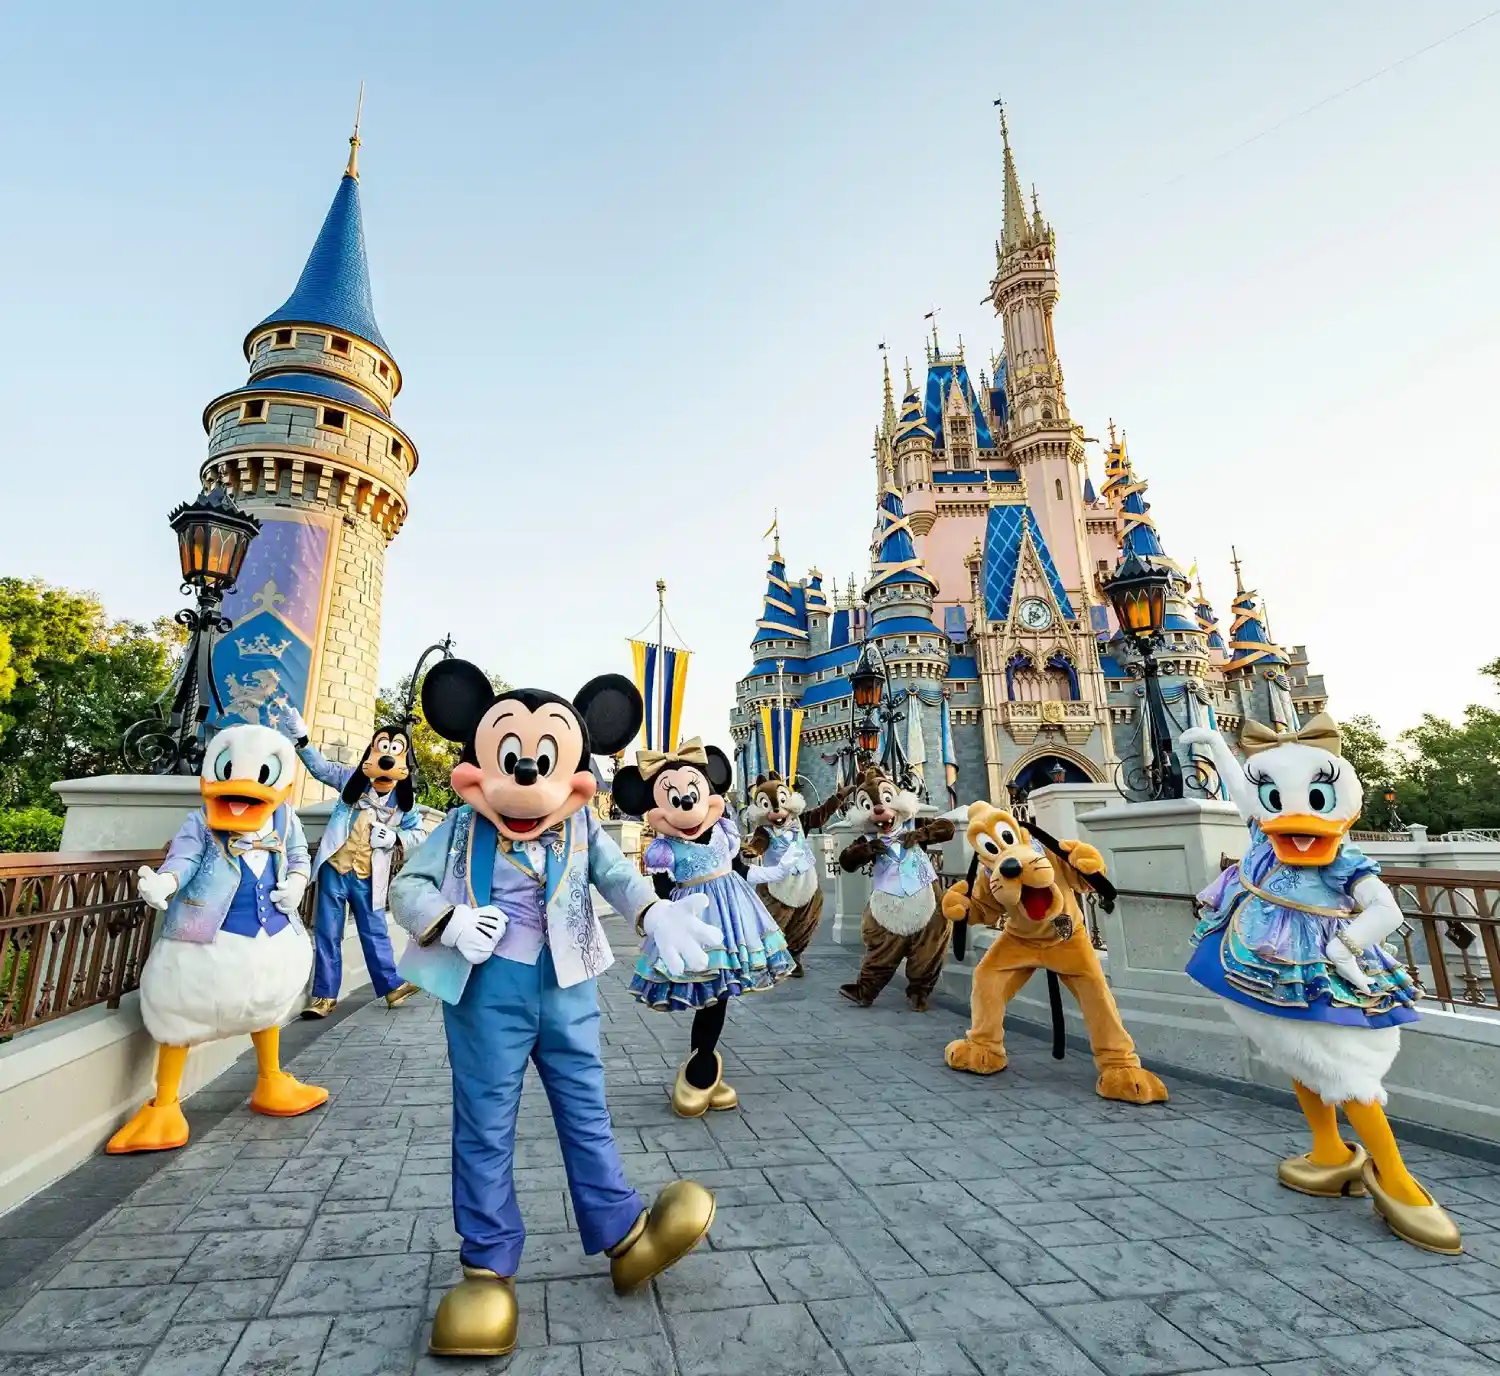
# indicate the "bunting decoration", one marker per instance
pixel 783 734
pixel 661 678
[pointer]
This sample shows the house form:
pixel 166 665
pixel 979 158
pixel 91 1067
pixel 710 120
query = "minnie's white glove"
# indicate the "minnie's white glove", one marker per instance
pixel 382 837
pixel 474 932
pixel 683 940
pixel 286 897
pixel 155 888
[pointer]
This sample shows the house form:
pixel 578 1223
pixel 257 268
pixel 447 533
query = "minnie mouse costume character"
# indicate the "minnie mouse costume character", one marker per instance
pixel 497 902
pixel 375 812
pixel 697 851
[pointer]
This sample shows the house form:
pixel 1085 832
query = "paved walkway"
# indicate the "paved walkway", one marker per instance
pixel 879 1215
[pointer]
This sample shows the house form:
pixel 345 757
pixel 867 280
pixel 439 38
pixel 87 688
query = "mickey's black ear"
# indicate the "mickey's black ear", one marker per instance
pixel 719 771
pixel 632 794
pixel 611 710
pixel 455 695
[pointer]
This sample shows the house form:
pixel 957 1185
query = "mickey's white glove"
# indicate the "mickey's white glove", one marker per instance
pixel 155 888
pixel 474 932
pixel 286 897
pixel 683 940
pixel 291 723
pixel 382 837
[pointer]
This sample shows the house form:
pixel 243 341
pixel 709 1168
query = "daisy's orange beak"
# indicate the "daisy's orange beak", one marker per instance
pixel 240 804
pixel 1300 838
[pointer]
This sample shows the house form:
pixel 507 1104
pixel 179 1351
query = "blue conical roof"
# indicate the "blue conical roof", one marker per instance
pixel 896 560
pixel 1123 488
pixel 334 288
pixel 1248 641
pixel 784 609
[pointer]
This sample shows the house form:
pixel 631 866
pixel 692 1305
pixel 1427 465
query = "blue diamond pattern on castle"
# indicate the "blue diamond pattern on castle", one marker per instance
pixel 896 559
pixel 1003 538
pixel 939 375
pixel 784 614
pixel 334 288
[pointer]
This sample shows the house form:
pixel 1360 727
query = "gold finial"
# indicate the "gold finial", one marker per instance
pixel 775 532
pixel 1036 205
pixel 1111 432
pixel 908 374
pixel 1239 583
pixel 1004 129
pixel 352 170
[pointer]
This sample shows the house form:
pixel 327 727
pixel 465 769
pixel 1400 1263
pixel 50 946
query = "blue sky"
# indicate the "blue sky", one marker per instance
pixel 635 260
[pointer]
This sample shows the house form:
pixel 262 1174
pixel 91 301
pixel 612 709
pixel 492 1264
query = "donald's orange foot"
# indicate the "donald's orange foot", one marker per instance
pixel 152 1129
pixel 282 1096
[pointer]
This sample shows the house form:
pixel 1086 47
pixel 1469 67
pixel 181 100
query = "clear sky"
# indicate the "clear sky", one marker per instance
pixel 635 261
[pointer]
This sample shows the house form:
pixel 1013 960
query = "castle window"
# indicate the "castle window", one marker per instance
pixel 384 369
pixel 339 344
pixel 397 449
pixel 334 419
pixel 1057 483
pixel 283 340
pixel 911 641
pixel 252 410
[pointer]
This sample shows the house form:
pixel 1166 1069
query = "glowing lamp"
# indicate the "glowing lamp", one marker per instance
pixel 1139 594
pixel 213 537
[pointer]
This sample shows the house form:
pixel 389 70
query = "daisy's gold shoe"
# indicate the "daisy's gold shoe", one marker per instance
pixel 400 994
pixel 1422 1225
pixel 1304 1175
pixel 667 1232
pixel 477 1318
pixel 687 1100
pixel 320 1008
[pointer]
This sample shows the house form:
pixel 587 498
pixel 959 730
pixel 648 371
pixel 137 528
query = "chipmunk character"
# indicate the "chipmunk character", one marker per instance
pixel 374 814
pixel 902 920
pixel 497 901
pixel 230 956
pixel 1031 892
pixel 779 821
pixel 1292 941
pixel 697 851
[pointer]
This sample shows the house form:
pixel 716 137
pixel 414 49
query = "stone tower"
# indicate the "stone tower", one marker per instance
pixel 308 445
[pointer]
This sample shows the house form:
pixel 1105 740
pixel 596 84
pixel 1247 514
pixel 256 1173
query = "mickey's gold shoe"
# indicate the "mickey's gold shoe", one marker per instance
pixel 1422 1225
pixel 667 1232
pixel 1306 1176
pixel 400 994
pixel 477 1318
pixel 687 1100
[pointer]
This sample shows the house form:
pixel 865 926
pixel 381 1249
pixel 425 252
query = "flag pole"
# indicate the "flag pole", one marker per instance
pixel 659 696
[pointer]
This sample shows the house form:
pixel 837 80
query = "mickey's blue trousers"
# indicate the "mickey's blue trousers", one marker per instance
pixel 510 1014
pixel 335 892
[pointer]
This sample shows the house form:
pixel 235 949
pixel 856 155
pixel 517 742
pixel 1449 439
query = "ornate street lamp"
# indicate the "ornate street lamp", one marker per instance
pixel 1057 773
pixel 1138 591
pixel 213 537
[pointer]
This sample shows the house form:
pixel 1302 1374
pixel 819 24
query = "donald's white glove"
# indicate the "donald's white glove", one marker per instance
pixel 286 897
pixel 683 940
pixel 474 932
pixel 291 722
pixel 156 889
pixel 382 837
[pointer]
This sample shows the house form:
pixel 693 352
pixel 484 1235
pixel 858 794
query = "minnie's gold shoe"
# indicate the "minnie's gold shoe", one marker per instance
pixel 687 1100
pixel 723 1096
pixel 1422 1225
pixel 477 1318
pixel 667 1232
pixel 1306 1176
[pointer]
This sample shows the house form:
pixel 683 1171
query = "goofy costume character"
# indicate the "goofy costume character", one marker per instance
pixel 374 814
pixel 497 903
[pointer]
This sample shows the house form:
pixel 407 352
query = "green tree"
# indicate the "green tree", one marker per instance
pixel 1452 776
pixel 435 756
pixel 1371 757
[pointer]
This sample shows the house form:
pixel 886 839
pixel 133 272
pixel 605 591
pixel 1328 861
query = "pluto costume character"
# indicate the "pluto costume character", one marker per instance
pixel 375 813
pixel 1292 942
pixel 779 820
pixel 902 920
pixel 497 901
pixel 231 955
pixel 1032 896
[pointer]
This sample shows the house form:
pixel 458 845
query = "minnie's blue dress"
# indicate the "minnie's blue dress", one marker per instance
pixel 1269 956
pixel 754 955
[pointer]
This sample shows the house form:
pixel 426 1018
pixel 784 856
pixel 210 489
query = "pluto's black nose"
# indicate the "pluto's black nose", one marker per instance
pixel 526 771
pixel 1010 869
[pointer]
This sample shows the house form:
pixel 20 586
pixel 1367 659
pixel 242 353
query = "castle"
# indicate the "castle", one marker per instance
pixel 309 447
pixel 985 597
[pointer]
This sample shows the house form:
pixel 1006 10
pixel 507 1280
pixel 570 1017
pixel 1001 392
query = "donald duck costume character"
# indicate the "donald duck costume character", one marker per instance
pixel 497 901
pixel 1292 942
pixel 231 955
pixel 374 814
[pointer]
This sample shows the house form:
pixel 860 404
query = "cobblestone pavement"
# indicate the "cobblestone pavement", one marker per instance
pixel 879 1215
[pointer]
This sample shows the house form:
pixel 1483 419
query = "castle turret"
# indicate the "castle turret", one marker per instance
pixel 912 447
pixel 309 446
pixel 1256 671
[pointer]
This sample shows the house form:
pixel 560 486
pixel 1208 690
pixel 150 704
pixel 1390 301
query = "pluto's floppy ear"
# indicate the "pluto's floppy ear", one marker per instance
pixel 455 696
pixel 718 771
pixel 611 711
pixel 632 794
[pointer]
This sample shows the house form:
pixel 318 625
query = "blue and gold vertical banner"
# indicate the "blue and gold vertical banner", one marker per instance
pixel 783 733
pixel 661 670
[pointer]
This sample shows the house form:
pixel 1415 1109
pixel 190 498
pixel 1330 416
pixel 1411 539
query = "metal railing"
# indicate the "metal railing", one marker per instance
pixel 1451 940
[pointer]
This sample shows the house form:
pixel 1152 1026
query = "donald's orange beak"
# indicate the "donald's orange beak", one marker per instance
pixel 240 804
pixel 1299 838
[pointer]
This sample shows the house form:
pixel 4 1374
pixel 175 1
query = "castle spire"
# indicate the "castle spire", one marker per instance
pixel 1016 228
pixel 1249 633
pixel 352 169
pixel 888 412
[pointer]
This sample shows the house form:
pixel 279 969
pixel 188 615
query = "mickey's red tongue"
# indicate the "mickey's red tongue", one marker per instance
pixel 522 823
pixel 1036 902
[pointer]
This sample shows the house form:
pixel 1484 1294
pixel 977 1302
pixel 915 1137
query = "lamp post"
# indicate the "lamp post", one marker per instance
pixel 1057 773
pixel 213 537
pixel 874 711
pixel 1138 592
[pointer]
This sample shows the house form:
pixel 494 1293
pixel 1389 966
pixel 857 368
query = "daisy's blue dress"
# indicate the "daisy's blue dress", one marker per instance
pixel 1268 956
pixel 753 957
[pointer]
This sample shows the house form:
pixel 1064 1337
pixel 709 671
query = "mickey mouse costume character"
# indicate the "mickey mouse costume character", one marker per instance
pixel 497 901
pixel 779 821
pixel 902 920
pixel 231 955
pixel 697 851
pixel 375 812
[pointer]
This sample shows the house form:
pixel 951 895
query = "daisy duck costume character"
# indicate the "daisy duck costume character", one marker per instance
pixel 230 956
pixel 697 851
pixel 1292 942
pixel 504 932
pixel 374 814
